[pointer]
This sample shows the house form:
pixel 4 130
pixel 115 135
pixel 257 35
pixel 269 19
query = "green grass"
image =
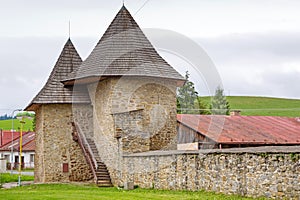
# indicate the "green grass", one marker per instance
pixel 262 106
pixel 7 124
pixel 71 191
pixel 7 178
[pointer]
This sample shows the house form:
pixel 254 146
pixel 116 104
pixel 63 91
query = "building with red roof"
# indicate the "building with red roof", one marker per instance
pixel 6 136
pixel 10 150
pixel 220 131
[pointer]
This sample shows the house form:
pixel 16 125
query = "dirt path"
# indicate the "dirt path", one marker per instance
pixel 15 184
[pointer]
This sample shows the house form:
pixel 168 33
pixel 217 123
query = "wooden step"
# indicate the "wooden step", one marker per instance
pixel 104 174
pixel 102 178
pixel 104 183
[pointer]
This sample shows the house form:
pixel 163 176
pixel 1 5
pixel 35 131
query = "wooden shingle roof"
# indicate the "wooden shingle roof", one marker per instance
pixel 124 50
pixel 54 91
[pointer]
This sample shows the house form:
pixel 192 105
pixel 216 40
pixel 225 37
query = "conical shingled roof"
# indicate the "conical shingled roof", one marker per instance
pixel 124 50
pixel 54 91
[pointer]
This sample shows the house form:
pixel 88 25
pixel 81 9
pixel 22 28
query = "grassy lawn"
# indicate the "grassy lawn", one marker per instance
pixel 7 178
pixel 7 124
pixel 69 191
pixel 262 106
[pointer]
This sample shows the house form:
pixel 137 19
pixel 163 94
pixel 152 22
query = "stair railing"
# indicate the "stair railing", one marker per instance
pixel 81 139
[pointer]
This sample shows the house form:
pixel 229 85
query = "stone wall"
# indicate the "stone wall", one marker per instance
pixel 55 147
pixel 156 129
pixel 249 172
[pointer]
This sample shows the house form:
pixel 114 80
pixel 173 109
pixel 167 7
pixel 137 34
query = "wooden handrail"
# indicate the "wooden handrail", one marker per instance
pixel 86 150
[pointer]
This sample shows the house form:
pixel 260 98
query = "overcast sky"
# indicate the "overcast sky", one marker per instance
pixel 254 45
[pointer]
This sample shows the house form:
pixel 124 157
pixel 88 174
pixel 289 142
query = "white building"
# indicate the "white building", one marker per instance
pixel 11 151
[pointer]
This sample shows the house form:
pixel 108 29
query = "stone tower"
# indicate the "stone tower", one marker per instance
pixel 132 91
pixel 131 104
pixel 55 148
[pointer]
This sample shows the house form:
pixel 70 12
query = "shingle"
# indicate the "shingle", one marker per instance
pixel 54 91
pixel 124 50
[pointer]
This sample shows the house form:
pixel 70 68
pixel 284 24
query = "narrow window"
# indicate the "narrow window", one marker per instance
pixel 31 158
pixel 65 167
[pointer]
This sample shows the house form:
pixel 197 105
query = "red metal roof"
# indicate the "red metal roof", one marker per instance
pixel 28 143
pixel 244 129
pixel 6 136
pixel 30 146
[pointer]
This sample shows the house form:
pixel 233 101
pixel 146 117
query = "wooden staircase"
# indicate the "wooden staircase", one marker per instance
pixel 102 173
pixel 88 146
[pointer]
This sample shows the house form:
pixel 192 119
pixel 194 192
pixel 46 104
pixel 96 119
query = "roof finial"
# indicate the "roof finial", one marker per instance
pixel 69 28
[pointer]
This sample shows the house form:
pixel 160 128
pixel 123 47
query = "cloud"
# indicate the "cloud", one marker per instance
pixel 247 62
pixel 285 83
pixel 26 63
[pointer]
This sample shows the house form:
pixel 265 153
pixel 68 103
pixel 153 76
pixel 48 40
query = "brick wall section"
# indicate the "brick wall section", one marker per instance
pixel 55 146
pixel 156 129
pixel 248 173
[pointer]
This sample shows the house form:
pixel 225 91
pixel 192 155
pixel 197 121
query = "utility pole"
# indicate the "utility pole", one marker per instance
pixel 20 155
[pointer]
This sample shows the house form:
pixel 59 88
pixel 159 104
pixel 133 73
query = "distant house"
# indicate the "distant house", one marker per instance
pixel 6 136
pixel 216 131
pixel 28 149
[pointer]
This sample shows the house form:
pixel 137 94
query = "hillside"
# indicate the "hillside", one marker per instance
pixel 250 106
pixel 7 124
pixel 263 106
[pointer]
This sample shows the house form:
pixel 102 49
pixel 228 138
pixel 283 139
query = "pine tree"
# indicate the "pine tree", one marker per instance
pixel 203 107
pixel 187 98
pixel 219 104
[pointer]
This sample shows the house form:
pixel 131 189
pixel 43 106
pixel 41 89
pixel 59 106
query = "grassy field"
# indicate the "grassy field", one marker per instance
pixel 71 191
pixel 7 178
pixel 7 124
pixel 263 106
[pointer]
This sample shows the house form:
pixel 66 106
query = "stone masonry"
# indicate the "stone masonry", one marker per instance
pixel 248 172
pixel 149 104
pixel 56 147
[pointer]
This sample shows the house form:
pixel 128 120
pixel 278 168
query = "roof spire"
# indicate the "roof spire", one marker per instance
pixel 124 50
pixel 69 29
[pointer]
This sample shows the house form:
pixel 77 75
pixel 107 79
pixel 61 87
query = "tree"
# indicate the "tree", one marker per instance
pixel 202 107
pixel 219 104
pixel 30 115
pixel 25 114
pixel 187 98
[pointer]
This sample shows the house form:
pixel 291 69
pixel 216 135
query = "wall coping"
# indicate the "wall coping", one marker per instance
pixel 254 150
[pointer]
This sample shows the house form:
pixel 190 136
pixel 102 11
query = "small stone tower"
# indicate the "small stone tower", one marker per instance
pixel 58 157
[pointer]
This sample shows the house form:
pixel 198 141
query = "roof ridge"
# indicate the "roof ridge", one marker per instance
pixel 29 141
pixel 53 90
pixel 17 139
pixel 120 16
